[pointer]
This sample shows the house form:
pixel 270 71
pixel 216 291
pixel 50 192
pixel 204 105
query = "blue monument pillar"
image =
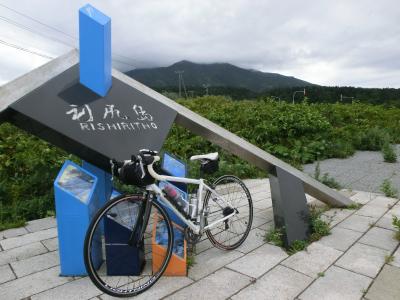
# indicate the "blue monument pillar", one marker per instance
pixel 94 50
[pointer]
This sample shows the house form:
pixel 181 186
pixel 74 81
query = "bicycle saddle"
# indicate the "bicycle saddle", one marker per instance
pixel 209 156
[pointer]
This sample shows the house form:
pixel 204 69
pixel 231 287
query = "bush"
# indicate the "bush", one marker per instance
pixel 275 236
pixel 389 153
pixel 372 139
pixel 318 228
pixel 396 225
pixel 297 134
pixel 387 188
pixel 297 245
pixel 27 171
pixel 325 179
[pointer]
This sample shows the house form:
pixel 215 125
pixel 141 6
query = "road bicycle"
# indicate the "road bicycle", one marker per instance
pixel 130 241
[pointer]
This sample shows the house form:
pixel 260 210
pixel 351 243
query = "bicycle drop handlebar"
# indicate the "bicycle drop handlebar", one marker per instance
pixel 145 158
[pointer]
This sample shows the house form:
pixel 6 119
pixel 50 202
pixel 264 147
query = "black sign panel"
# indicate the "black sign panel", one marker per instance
pixel 95 128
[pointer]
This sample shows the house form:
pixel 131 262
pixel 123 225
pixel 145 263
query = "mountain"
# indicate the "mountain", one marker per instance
pixel 216 75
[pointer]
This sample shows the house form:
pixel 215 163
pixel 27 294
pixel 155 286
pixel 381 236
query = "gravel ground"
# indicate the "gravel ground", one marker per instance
pixel 364 171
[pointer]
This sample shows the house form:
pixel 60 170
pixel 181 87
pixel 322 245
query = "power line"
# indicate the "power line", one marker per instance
pixel 19 25
pixel 37 21
pixel 25 49
pixel 55 29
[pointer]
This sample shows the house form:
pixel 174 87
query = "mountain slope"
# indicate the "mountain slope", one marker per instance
pixel 216 75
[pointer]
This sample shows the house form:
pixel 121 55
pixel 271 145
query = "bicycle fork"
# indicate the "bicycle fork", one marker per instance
pixel 144 215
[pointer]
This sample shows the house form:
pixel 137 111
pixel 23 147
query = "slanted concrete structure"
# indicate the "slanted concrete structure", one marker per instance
pixel 288 184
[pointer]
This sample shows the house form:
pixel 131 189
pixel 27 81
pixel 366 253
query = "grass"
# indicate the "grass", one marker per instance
pixel 318 227
pixel 389 153
pixel 12 224
pixel 321 274
pixel 389 259
pixel 354 206
pixel 190 261
pixel 275 236
pixel 297 246
pixel 364 291
pixel 326 179
pixel 387 188
pixel 396 225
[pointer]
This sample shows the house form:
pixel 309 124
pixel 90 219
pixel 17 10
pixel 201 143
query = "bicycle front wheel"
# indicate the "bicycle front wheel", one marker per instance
pixel 117 261
pixel 231 233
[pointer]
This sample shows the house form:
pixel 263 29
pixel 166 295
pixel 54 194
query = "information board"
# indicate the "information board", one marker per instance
pixel 173 166
pixel 76 182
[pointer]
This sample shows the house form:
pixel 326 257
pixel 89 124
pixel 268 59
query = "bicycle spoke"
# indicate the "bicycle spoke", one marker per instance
pixel 122 271
pixel 231 233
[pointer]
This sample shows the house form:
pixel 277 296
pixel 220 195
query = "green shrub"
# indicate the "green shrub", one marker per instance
pixel 341 149
pixel 330 181
pixel 372 139
pixel 27 170
pixel 389 153
pixel 387 188
pixel 354 206
pixel 396 225
pixel 297 134
pixel 325 179
pixel 297 245
pixel 275 236
pixel 319 227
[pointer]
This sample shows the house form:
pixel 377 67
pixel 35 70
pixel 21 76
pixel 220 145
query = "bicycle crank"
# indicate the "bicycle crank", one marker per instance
pixel 191 237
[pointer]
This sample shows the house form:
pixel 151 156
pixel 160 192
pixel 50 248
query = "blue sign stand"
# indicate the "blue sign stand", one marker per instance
pixel 77 200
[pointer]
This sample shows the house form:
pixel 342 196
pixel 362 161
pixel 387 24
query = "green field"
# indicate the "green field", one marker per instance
pixel 298 134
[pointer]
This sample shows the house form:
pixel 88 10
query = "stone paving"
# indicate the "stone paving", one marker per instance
pixel 359 260
pixel 364 171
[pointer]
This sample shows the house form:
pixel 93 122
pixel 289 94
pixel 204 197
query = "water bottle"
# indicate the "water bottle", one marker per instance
pixel 176 198
pixel 193 207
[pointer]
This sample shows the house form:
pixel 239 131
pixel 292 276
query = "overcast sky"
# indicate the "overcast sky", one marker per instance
pixel 340 42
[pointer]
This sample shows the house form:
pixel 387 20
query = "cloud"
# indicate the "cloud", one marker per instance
pixel 324 42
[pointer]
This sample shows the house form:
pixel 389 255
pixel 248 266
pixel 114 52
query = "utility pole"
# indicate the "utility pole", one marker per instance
pixel 206 86
pixel 294 94
pixel 179 81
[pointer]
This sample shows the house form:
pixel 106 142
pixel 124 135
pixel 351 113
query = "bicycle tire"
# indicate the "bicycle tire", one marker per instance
pixel 242 194
pixel 98 224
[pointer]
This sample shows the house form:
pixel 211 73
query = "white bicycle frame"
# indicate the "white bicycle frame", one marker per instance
pixel 197 229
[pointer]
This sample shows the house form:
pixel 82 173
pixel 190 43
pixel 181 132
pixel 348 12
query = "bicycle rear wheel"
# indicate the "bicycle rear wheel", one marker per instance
pixel 119 265
pixel 229 234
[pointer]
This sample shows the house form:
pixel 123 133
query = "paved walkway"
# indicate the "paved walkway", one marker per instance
pixel 355 261
pixel 364 171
